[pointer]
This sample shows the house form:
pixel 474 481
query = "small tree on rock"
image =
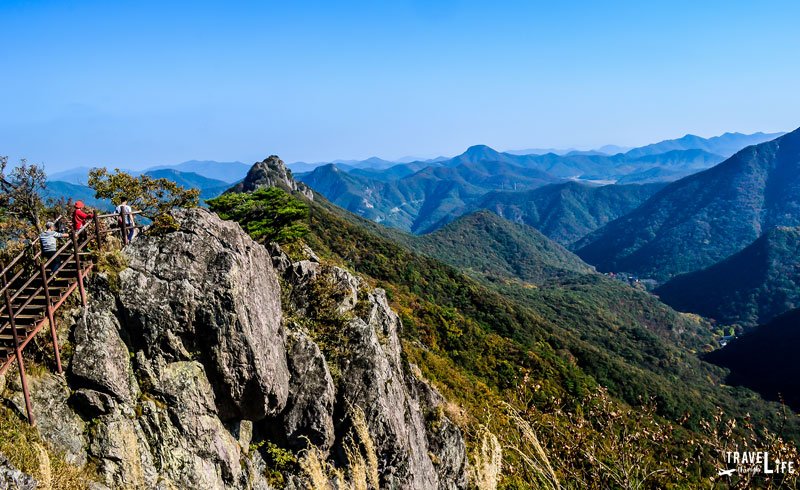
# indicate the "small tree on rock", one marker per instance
pixel 267 214
pixel 154 198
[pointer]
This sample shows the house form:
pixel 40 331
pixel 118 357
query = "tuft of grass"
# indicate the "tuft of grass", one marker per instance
pixel 370 453
pixel 24 448
pixel 316 469
pixel 111 262
pixel 487 461
pixel 361 472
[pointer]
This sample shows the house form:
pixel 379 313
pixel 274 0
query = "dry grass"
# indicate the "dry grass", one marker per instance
pixel 361 472
pixel 316 469
pixel 23 446
pixel 532 453
pixel 371 455
pixel 487 459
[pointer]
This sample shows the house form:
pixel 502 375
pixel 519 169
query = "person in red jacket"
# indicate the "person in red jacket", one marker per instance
pixel 79 217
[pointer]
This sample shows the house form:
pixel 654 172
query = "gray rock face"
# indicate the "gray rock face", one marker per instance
pixel 13 478
pixel 309 414
pixel 101 358
pixel 182 375
pixel 55 419
pixel 446 441
pixel 209 291
pixel 188 349
pixel 271 172
pixel 374 380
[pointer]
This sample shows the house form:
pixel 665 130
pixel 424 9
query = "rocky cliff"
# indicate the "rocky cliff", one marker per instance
pixel 213 362
pixel 271 172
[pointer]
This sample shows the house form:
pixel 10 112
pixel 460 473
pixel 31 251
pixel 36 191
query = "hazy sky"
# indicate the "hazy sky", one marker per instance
pixel 143 83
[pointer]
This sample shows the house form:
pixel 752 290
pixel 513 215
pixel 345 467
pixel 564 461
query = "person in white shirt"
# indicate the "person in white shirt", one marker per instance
pixel 125 212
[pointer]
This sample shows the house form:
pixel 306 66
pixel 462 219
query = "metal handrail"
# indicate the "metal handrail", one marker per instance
pixel 37 256
pixel 21 300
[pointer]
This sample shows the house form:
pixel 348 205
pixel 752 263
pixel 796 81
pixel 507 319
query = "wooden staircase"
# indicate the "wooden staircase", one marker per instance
pixel 33 289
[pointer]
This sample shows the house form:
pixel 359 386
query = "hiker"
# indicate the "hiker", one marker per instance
pixel 125 213
pixel 50 245
pixel 79 217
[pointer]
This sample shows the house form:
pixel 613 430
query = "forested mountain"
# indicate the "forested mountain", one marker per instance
pixel 765 359
pixel 500 248
pixel 57 190
pixel 209 188
pixel 470 336
pixel 704 218
pixel 750 287
pixel 422 196
pixel 568 211
pixel 419 201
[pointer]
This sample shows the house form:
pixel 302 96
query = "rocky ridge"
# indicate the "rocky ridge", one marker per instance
pixel 210 353
pixel 271 172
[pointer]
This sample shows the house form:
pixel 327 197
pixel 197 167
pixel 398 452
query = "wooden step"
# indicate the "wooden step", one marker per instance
pixel 8 339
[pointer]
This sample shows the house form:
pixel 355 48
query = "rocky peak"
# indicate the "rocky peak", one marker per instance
pixel 271 172
pixel 211 353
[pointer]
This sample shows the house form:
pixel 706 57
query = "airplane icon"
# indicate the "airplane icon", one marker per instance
pixel 726 472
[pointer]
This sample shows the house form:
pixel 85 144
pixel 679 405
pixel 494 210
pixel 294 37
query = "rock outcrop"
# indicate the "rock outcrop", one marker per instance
pixel 211 349
pixel 13 478
pixel 271 172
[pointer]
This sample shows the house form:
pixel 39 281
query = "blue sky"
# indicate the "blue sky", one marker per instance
pixel 144 83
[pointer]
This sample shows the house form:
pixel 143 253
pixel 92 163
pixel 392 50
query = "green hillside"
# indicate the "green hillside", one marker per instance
pixel 765 359
pixel 478 339
pixel 567 212
pixel 500 248
pixel 511 355
pixel 704 218
pixel 749 288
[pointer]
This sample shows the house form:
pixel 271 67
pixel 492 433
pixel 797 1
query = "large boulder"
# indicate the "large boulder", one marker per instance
pixel 188 347
pixel 102 360
pixel 209 291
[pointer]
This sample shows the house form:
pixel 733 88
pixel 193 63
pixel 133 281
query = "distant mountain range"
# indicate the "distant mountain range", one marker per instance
pixel 422 196
pixel 750 287
pixel 418 202
pixel 706 217
pixel 568 211
pixel 228 172
pixel 209 188
pixel 725 145
pixel 57 190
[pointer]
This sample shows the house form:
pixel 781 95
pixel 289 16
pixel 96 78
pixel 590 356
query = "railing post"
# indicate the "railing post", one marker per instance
pixel 18 353
pixel 78 269
pixel 50 317
pixel 97 231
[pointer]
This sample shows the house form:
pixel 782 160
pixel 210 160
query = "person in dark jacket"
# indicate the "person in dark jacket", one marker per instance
pixel 50 245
